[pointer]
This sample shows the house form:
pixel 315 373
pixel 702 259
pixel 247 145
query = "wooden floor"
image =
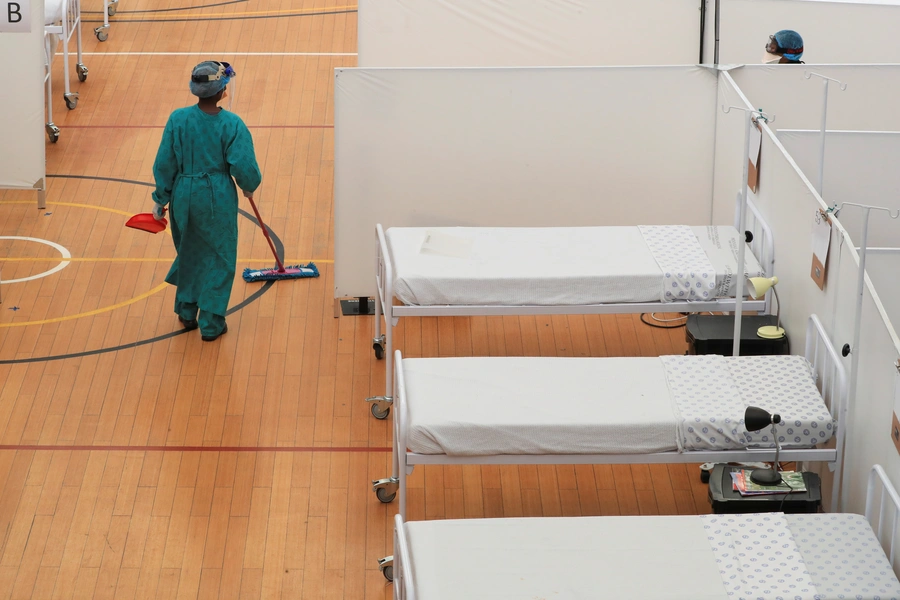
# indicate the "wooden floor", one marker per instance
pixel 137 462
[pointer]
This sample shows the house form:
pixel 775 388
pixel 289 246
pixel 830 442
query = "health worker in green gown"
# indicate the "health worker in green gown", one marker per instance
pixel 204 151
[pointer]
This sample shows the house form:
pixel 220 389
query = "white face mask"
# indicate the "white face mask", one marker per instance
pixel 769 58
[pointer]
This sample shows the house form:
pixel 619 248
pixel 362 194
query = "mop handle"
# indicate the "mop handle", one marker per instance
pixel 266 233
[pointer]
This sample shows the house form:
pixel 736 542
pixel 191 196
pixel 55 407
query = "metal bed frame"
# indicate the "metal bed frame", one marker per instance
pixel 884 527
pixel 69 25
pixel 758 234
pixel 831 380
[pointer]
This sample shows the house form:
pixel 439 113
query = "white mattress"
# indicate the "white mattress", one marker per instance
pixel 821 556
pixel 549 266
pixel 636 405
pixel 563 558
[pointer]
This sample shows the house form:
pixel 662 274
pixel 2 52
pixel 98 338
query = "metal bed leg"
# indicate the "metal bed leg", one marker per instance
pixel 80 70
pixel 51 129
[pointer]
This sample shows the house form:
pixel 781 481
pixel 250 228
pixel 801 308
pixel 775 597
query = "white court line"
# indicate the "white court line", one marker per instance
pixel 62 250
pixel 199 53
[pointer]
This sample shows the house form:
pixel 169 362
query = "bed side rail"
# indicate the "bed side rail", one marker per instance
pixel 883 514
pixel 383 271
pixel 403 585
pixel 831 380
pixel 762 242
pixel 829 372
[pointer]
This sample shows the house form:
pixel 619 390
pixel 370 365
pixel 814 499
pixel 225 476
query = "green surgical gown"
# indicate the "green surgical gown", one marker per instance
pixel 199 159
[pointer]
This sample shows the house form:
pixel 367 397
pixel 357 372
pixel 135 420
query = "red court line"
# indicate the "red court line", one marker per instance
pixel 194 448
pixel 163 126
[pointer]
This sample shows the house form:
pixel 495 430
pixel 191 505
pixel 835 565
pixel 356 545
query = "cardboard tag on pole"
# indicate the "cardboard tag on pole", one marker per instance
pixel 821 239
pixel 895 423
pixel 755 150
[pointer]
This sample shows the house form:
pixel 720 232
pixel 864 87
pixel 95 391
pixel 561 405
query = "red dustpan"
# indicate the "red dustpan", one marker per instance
pixel 146 222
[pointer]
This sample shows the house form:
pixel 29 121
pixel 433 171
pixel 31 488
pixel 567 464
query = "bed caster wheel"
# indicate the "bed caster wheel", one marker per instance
pixel 380 414
pixel 387 567
pixel 111 9
pixel 82 72
pixel 378 347
pixel 52 132
pixel 381 406
pixel 101 33
pixel 71 101
pixel 384 497
pixel 386 489
pixel 705 470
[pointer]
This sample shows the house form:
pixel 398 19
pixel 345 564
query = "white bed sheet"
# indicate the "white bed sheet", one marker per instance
pixel 544 406
pixel 476 406
pixel 563 558
pixel 611 557
pixel 53 11
pixel 543 266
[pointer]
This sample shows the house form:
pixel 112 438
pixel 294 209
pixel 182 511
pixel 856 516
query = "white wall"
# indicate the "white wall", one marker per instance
pixel 436 33
pixel 868 104
pixel 22 105
pixel 833 32
pixel 517 147
pixel 861 167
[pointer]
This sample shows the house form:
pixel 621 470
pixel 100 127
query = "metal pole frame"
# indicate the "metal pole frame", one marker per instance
pixel 843 86
pixel 740 280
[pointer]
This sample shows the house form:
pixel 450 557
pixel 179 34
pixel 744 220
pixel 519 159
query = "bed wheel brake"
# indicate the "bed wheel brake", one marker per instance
pixel 386 489
pixel 381 406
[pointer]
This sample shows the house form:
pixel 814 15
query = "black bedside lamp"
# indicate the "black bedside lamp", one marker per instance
pixel 754 420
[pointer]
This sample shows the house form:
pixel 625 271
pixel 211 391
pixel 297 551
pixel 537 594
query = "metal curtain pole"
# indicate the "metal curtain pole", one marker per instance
pixel 740 279
pixel 860 288
pixel 843 87
pixel 702 26
pixel 716 51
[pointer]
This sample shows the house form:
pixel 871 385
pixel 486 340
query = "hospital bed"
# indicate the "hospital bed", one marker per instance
pixel 704 557
pixel 630 410
pixel 465 271
pixel 62 20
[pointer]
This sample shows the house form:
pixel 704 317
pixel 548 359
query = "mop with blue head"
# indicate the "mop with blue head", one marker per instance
pixel 279 272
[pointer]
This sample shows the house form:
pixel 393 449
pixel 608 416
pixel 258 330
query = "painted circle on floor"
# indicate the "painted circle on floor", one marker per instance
pixel 61 249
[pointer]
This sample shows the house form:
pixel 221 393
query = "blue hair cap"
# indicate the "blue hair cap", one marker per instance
pixel 207 89
pixel 790 43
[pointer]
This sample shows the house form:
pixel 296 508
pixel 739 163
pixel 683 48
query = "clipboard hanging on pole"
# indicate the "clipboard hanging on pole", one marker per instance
pixel 753 154
pixel 821 238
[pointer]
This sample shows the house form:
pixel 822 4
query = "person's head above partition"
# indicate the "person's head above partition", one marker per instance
pixel 785 47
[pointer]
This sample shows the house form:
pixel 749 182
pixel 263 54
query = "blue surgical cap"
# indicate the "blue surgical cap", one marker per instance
pixel 790 43
pixel 207 89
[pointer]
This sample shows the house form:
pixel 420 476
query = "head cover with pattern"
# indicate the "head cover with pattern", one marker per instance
pixel 210 77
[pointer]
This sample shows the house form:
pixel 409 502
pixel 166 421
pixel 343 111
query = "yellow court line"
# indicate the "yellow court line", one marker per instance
pixel 255 13
pixel 90 313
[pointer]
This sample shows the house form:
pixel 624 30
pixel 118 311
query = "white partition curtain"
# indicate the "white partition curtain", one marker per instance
pixel 435 33
pixel 861 167
pixel 22 105
pixel 517 147
pixel 833 31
